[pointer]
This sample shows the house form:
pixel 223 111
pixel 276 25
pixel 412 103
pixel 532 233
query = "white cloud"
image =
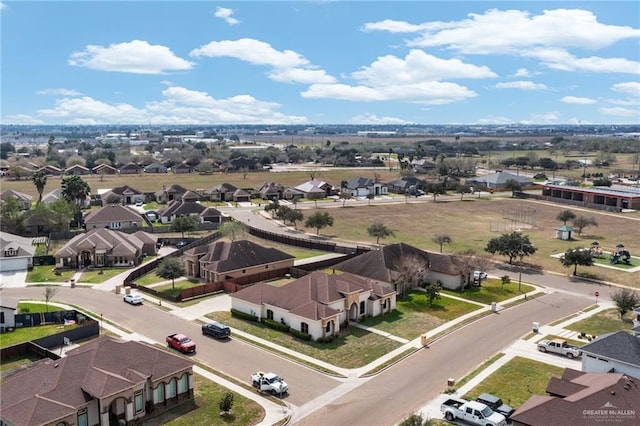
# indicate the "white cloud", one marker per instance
pixel 630 88
pixel 179 105
pixel 521 85
pixel 494 120
pixel 371 118
pixel 137 57
pixel 550 117
pixel 578 101
pixel 21 119
pixel 560 59
pixel 620 112
pixel 2 6
pixel 225 14
pixel 287 65
pixel 59 92
pixel 521 72
pixel 392 26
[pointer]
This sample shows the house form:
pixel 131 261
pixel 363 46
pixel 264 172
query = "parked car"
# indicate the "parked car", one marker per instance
pixel 139 203
pixel 269 382
pixel 181 342
pixel 216 329
pixel 473 412
pixel 182 244
pixel 479 275
pixel 561 347
pixel 133 298
pixel 495 403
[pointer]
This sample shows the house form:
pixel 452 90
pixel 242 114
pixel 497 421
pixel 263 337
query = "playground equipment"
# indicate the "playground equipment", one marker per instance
pixel 596 250
pixel 621 255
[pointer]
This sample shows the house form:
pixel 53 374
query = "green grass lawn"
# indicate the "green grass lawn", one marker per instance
pixel 622 266
pixel 46 274
pixel 34 308
pixel 172 290
pixel 603 322
pixel 208 394
pixel 97 276
pixel 413 315
pixel 148 279
pixel 25 334
pixel 13 363
pixel 517 380
pixel 492 290
pixel 354 350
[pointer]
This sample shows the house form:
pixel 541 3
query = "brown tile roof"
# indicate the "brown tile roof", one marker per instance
pixel 50 390
pixel 116 242
pixel 384 264
pixel 309 295
pixel 112 213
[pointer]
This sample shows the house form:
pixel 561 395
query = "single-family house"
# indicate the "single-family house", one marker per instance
pixel 113 216
pixel 56 194
pixel 446 269
pixel 16 252
pixel 270 191
pixel 224 259
pixel 155 168
pixel 583 399
pixel 182 168
pixel 406 185
pixel 241 196
pixel 130 169
pixel 175 209
pixel 105 248
pixel 170 193
pixel 124 194
pixel 104 169
pixel 220 192
pixel 50 170
pixel 315 189
pixel 423 165
pixel 614 352
pixel 107 381
pixel 399 265
pixel 77 169
pixel 498 180
pixel 8 309
pixel 361 187
pixel 24 200
pixel 318 304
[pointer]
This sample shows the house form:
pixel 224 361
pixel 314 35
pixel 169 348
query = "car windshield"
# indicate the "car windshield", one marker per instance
pixel 185 340
pixel 487 412
pixel 275 379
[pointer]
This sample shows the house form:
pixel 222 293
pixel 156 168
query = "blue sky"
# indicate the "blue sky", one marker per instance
pixel 320 62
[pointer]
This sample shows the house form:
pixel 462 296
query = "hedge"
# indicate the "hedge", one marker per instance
pixel 244 315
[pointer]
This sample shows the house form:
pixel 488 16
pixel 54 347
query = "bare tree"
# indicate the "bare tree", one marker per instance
pixel 442 239
pixel 49 292
pixel 411 270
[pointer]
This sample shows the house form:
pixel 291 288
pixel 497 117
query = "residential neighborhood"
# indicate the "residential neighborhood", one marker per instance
pixel 434 278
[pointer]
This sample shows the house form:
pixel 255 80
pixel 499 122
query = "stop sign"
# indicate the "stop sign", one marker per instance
pixel 597 294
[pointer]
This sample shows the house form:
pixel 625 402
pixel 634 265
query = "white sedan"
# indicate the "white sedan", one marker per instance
pixel 133 298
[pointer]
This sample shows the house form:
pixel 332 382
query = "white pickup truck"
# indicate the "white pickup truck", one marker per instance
pixel 472 412
pixel 269 382
pixel 561 347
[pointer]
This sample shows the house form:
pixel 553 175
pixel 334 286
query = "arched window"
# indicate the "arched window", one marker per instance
pixel 269 314
pixel 183 384
pixel 304 327
pixel 171 388
pixel 158 393
pixel 327 328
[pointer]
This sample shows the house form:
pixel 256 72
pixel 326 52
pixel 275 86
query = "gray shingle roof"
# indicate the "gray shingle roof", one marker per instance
pixel 619 346
pixel 224 256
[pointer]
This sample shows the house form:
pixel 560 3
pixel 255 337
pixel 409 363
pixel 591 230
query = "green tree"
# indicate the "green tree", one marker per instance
pixel 170 268
pixel 282 213
pixel 226 403
pixel 184 224
pixel 233 229
pixel 625 300
pixel 379 230
pixel 40 181
pixel 11 217
pixel 513 186
pixel 513 245
pixel 272 207
pixel 582 222
pixel 442 239
pixel 319 220
pixel 565 216
pixel 576 256
pixel 56 215
pixel 49 292
pixel 294 216
pixel 75 190
pixel 370 197
pixel 433 291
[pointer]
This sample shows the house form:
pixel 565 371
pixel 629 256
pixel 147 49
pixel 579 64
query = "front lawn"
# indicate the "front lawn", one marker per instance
pixel 26 334
pixel 34 308
pixel 207 412
pixel 414 316
pixel 47 274
pixel 517 380
pixel 354 350
pixel 492 290
pixel 603 322
pixel 98 276
pixel 148 279
pixel 172 290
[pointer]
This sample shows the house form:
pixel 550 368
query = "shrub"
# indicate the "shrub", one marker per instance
pixel 226 402
pixel 506 279
pixel 276 325
pixel 300 334
pixel 243 315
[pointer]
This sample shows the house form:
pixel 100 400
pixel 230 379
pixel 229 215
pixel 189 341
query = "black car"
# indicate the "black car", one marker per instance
pixel 182 244
pixel 495 403
pixel 216 329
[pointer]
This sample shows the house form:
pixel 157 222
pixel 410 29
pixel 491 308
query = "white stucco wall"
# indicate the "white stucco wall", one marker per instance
pixel 591 364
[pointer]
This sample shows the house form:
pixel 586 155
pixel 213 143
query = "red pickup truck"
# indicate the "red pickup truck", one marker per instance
pixel 181 342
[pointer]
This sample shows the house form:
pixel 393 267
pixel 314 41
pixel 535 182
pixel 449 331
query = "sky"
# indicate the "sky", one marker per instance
pixel 319 62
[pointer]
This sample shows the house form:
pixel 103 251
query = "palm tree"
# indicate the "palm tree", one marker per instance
pixel 442 239
pixel 75 191
pixel 40 181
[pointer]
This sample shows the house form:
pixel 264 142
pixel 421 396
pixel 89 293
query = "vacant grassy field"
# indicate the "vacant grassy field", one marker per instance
pixel 603 322
pixel 473 222
pixel 354 350
pixel 492 290
pixel 413 315
pixel 507 381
